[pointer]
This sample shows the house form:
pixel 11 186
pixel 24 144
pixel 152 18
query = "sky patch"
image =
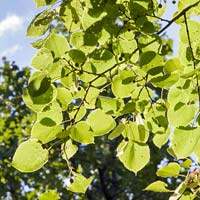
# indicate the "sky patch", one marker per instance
pixel 11 23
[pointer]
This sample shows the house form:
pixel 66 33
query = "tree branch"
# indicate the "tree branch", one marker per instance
pixel 183 12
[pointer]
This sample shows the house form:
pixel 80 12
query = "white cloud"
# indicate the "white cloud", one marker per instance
pixel 10 51
pixel 10 23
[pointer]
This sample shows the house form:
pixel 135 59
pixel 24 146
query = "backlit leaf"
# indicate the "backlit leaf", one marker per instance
pixel 117 131
pixel 165 81
pixel 158 186
pixel 81 133
pixel 184 141
pixel 100 122
pixel 44 132
pixel 39 24
pixel 49 117
pixel 64 97
pixel 49 195
pixel 42 60
pixel 172 169
pixel 176 116
pixel 57 44
pixel 30 156
pixel 40 3
pixel 68 149
pixel 80 183
pixel 133 155
pixel 123 86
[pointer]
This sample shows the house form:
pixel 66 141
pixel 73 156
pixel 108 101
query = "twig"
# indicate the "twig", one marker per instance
pixel 67 160
pixel 81 103
pixel 161 19
pixel 177 17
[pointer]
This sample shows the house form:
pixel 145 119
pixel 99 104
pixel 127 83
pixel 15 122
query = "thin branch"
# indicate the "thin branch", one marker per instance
pixel 154 15
pixel 67 160
pixel 81 103
pixel 161 19
pixel 183 12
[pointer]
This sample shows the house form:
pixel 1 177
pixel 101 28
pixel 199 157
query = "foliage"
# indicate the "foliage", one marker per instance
pixel 107 179
pixel 108 73
pixel 15 126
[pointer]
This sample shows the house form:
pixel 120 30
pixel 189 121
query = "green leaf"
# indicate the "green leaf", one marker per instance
pixel 55 70
pixel 38 44
pixel 186 164
pixel 157 186
pixel 165 81
pixel 176 116
pixel 49 195
pixel 57 44
pixel 64 97
pixel 45 133
pixel 70 13
pixel 133 155
pixel 81 113
pixel 197 151
pixel 185 3
pixel 161 139
pixel 172 169
pixel 117 131
pixel 135 132
pixel 81 133
pixel 151 62
pixel 194 28
pixel 39 83
pixel 101 60
pixel 108 105
pixel 68 79
pixel 100 122
pixel 49 117
pixel 188 195
pixel 125 44
pixel 122 85
pixel 42 60
pixel 39 24
pixel 177 95
pixel 77 56
pixel 80 183
pixel 77 39
pixel 91 97
pixel 178 191
pixel 148 27
pixel 39 92
pixel 173 65
pixel 40 3
pixel 68 149
pixel 30 156
pixel 184 141
pixel 38 103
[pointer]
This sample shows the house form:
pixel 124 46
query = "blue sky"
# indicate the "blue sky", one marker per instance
pixel 15 16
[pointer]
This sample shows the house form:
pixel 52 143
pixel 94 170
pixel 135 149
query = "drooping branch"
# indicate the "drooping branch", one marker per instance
pixel 182 13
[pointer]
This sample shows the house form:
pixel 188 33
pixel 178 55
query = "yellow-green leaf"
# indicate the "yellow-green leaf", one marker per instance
pixel 30 156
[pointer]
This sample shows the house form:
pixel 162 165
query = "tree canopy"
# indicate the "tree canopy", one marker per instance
pixel 110 103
